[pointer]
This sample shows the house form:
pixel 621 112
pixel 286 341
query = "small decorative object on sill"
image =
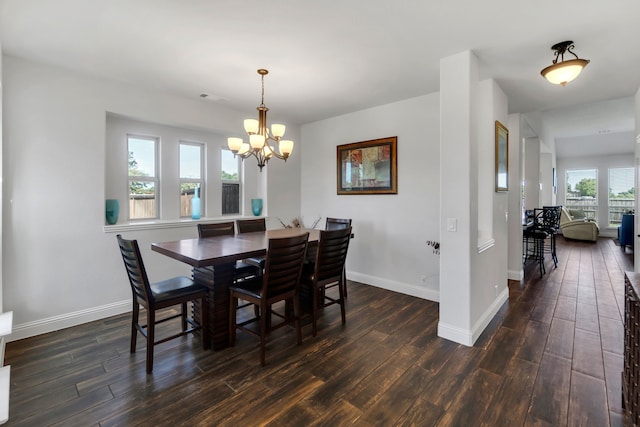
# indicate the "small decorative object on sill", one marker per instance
pixel 297 223
pixel 256 206
pixel 435 245
pixel 112 208
pixel 195 204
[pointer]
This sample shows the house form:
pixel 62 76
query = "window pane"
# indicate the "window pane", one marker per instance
pixel 190 161
pixel 622 195
pixel 230 198
pixel 142 199
pixel 229 166
pixel 142 157
pixel 582 192
pixel 187 191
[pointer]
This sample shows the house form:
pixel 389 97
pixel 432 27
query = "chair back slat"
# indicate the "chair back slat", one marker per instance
pixel 135 269
pixel 337 223
pixel 283 267
pixel 216 229
pixel 251 225
pixel 332 254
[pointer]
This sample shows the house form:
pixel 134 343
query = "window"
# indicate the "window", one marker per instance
pixel 191 173
pixel 143 178
pixel 582 191
pixel 230 183
pixel 622 194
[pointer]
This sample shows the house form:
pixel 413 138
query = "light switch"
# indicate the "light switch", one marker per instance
pixel 452 224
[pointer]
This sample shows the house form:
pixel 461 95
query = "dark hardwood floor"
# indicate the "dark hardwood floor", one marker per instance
pixel 551 357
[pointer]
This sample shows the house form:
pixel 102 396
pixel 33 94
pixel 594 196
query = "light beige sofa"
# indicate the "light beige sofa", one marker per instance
pixel 574 227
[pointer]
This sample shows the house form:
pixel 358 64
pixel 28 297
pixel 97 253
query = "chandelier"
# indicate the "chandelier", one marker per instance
pixel 260 135
pixel 563 72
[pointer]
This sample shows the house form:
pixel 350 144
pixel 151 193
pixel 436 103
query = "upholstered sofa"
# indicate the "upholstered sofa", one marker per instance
pixel 574 225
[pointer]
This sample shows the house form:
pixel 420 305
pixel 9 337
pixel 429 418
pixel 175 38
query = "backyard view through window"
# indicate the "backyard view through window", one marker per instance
pixel 622 194
pixel 582 191
pixel 143 180
pixel 230 183
pixel 190 175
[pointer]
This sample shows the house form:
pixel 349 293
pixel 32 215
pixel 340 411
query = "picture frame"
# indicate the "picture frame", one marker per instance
pixel 368 167
pixel 502 157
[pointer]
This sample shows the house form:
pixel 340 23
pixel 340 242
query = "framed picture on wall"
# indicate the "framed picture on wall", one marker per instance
pixel 502 157
pixel 368 167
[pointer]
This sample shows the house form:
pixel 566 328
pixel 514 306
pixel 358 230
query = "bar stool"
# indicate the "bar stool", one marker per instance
pixel 533 240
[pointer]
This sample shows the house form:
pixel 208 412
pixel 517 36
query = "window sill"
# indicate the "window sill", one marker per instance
pixel 165 224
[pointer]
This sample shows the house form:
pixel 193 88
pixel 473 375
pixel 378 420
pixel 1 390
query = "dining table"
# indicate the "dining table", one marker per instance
pixel 213 263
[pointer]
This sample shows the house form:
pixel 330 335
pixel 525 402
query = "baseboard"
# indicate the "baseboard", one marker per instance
pixel 469 336
pixel 392 285
pixel 515 275
pixel 51 324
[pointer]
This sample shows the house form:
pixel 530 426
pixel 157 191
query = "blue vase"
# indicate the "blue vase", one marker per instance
pixel 111 210
pixel 195 205
pixel 256 206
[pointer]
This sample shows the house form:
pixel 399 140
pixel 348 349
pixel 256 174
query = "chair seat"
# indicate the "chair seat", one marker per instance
pixel 176 286
pixel 535 233
pixel 250 287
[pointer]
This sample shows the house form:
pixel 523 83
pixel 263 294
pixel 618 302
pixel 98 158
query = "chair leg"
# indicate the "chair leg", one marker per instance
pixel 232 320
pixel 263 334
pixel 296 317
pixel 135 315
pixel 184 317
pixel 344 280
pixel 151 323
pixel 342 296
pixel 204 323
pixel 314 310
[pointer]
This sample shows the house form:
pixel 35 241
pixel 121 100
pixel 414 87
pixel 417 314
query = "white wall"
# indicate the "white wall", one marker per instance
pixel 1 180
pixel 62 268
pixel 389 249
pixel 636 253
pixel 531 173
pixel 473 278
pixel 602 165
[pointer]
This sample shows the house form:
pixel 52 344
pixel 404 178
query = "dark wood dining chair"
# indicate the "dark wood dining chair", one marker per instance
pixel 156 296
pixel 243 269
pixel 337 224
pixel 280 282
pixel 327 270
pixel 251 226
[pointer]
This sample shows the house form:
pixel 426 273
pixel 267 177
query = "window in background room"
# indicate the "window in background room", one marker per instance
pixel 230 183
pixel 622 194
pixel 191 173
pixel 582 192
pixel 143 178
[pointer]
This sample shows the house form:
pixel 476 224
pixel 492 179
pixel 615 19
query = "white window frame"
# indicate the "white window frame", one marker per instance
pixel 199 182
pixel 154 179
pixel 619 210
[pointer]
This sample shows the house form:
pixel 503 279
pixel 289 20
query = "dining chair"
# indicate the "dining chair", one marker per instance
pixel 280 282
pixel 533 244
pixel 156 296
pixel 336 224
pixel 327 270
pixel 242 269
pixel 251 226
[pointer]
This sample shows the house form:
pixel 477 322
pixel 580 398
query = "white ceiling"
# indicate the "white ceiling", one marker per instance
pixel 328 58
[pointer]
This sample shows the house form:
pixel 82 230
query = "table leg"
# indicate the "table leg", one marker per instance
pixel 217 280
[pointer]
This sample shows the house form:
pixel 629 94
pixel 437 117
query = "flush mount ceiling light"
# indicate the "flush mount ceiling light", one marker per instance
pixel 562 72
pixel 259 136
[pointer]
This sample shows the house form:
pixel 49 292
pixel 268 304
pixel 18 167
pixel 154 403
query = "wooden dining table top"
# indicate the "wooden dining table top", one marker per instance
pixel 211 251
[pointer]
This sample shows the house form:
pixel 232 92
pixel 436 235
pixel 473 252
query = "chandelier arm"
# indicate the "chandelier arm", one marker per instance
pixel 571 52
pixel 274 152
